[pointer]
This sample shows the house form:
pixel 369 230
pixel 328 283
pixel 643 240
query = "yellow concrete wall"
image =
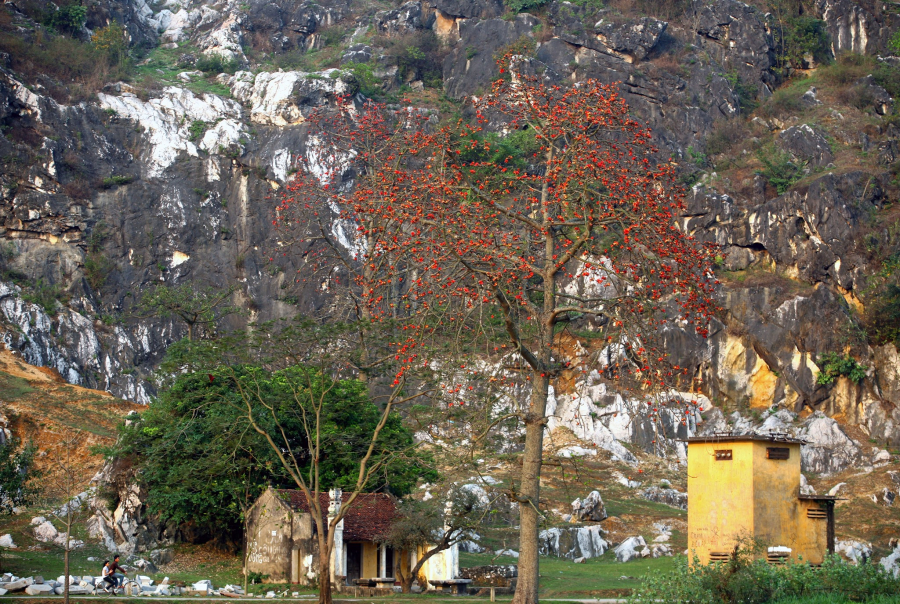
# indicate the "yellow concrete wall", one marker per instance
pixel 812 539
pixel 776 485
pixel 720 496
pixel 369 560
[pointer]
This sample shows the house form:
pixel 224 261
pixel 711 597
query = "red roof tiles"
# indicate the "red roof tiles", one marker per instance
pixel 369 517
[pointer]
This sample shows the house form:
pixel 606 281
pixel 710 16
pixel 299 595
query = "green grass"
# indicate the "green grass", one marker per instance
pixel 642 507
pixel 13 387
pixel 595 577
pixel 161 67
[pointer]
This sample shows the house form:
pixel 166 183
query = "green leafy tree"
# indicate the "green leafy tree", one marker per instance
pixel 201 460
pixel 111 41
pixel 198 309
pixel 16 475
pixel 434 525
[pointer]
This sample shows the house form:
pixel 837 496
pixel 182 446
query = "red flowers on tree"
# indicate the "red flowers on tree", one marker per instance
pixel 565 217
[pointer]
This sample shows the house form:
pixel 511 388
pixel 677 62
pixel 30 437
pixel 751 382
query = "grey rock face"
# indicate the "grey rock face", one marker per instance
pixel 408 17
pixel 471 9
pixel 858 26
pixel 807 145
pixel 465 74
pixel 881 100
pixel 737 32
pixel 634 40
pixel 830 450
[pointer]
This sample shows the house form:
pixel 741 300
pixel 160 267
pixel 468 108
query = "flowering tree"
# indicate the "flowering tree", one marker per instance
pixel 474 237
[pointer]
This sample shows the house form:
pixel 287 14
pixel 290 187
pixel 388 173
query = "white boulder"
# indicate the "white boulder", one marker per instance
pixel 630 549
pixel 856 551
pixel 7 541
pixel 891 563
pixel 590 508
pixel 38 589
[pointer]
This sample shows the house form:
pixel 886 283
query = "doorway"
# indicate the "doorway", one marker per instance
pixel 354 562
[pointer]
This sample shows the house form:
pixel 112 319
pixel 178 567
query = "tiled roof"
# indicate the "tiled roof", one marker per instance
pixel 369 517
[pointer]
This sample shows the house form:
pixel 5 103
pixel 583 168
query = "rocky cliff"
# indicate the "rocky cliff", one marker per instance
pixel 172 177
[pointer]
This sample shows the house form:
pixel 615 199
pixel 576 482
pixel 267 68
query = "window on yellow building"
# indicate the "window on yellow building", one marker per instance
pixel 778 453
pixel 723 455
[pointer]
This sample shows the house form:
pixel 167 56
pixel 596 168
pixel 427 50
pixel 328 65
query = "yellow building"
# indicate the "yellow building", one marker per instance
pixel 749 487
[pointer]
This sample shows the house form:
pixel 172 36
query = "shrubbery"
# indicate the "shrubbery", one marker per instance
pixel 780 170
pixel 833 365
pixel 754 581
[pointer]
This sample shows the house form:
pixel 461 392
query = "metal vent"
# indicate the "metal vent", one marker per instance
pixel 778 453
pixel 777 559
pixel 816 513
pixel 778 554
pixel 719 556
pixel 723 455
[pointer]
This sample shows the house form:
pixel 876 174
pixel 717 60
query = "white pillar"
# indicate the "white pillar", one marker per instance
pixel 382 560
pixel 338 557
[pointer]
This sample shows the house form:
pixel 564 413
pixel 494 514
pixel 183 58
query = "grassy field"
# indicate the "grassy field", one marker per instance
pixel 561 578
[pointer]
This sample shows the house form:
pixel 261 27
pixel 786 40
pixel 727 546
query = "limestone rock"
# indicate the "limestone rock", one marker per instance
pixel 805 487
pixel 671 497
pixel 855 551
pixel 15 585
pixel 45 532
pixel 810 98
pixel 590 508
pixel 38 589
pixel 806 145
pixel 630 549
pixel 161 557
pixel 282 98
pixel 407 17
pixel 891 562
pixel 464 75
pixel 830 450
pixel 146 565
pixel 572 542
pixel 630 40
pixel 471 9
pixel 7 541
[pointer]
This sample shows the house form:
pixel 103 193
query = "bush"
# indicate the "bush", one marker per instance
pixel 522 6
pixel 111 41
pixel 69 18
pixel 833 365
pixel 779 169
pixel 883 316
pixel 754 581
pixel 847 69
pixel 80 64
pixel 216 64
pixel 783 102
pixel 46 296
pixel 418 56
pixel 115 181
pixel 726 135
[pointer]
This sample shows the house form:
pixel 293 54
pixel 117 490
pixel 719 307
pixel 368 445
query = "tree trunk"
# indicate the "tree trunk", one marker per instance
pixel 66 574
pixel 406 583
pixel 324 576
pixel 529 492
